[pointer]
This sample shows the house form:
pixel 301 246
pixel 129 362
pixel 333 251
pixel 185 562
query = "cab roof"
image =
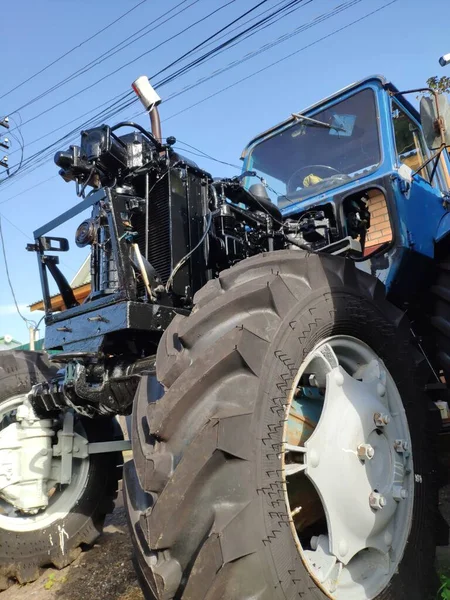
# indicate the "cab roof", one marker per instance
pixel 380 79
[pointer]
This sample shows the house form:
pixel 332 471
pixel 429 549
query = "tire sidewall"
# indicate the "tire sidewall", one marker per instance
pixel 323 314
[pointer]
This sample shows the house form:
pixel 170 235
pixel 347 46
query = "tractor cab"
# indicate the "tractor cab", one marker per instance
pixel 361 162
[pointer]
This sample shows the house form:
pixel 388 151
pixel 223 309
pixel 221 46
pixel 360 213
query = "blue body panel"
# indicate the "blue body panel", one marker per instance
pixel 419 217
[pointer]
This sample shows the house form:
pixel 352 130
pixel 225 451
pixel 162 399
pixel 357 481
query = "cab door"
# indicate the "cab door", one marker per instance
pixel 419 200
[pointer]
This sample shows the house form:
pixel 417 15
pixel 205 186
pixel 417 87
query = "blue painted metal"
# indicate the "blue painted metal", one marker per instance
pixel 419 214
pixel 304 415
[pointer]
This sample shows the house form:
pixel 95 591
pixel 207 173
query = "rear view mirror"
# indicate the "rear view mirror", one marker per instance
pixel 435 118
pixel 342 125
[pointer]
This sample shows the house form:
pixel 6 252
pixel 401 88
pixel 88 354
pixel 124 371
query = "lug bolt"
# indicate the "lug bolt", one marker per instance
pixel 377 501
pixel 400 446
pixel 365 451
pixel 314 543
pixel 399 493
pixel 381 420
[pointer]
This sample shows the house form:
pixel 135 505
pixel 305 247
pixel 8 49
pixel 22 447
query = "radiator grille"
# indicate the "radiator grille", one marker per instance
pixel 159 240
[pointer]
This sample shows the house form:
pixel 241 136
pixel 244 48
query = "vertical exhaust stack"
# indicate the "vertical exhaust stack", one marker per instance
pixel 150 100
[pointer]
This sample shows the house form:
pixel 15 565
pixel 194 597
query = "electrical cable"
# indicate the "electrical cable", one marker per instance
pixel 279 61
pixel 88 39
pixel 8 277
pixel 268 46
pixel 221 47
pixel 275 62
pixel 218 49
pixel 110 52
pixel 185 258
pixel 117 69
pixel 205 155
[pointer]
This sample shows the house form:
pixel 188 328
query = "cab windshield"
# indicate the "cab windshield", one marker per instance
pixel 309 158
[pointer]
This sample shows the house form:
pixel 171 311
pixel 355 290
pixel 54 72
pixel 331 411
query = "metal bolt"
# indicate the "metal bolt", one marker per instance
pixel 399 446
pixel 399 493
pixel 76 449
pixel 365 451
pixel 381 419
pixel 377 501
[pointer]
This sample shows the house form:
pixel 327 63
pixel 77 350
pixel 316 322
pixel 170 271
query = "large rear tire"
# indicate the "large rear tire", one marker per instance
pixel 211 503
pixel 76 512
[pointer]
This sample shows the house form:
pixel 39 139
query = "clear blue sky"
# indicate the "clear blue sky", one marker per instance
pixel 402 42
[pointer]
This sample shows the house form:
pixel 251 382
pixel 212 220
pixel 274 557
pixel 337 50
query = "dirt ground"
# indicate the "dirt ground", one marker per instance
pixel 106 571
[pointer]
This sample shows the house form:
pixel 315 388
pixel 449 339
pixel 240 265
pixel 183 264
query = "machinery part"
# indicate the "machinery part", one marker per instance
pixel 34 536
pixel 207 495
pixel 25 457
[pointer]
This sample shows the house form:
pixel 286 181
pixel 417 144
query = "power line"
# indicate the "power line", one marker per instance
pixel 116 70
pixel 265 21
pixel 264 48
pixel 2 216
pixel 8 277
pixel 134 37
pixel 285 10
pixel 88 39
pixel 269 19
pixel 28 189
pixel 279 61
pixel 268 46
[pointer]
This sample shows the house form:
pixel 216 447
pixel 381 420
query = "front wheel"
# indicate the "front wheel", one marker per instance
pixel 289 456
pixel 33 536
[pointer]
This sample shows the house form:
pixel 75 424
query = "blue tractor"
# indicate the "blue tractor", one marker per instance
pixel 281 341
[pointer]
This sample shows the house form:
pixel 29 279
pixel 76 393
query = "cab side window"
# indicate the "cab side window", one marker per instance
pixel 409 141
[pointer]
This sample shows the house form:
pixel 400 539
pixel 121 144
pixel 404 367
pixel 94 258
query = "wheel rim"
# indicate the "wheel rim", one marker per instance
pixel 348 469
pixel 62 498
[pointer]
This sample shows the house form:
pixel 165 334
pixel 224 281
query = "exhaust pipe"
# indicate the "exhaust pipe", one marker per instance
pixel 150 100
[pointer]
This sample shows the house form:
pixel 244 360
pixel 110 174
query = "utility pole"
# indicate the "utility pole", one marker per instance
pixel 4 143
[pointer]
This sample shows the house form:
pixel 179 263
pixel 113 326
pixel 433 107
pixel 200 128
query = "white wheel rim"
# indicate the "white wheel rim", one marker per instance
pixel 358 460
pixel 60 503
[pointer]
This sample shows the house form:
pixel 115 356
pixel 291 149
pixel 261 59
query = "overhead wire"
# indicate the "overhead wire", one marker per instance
pixel 85 41
pixel 287 4
pixel 279 61
pixel 264 48
pixel 292 5
pixel 8 278
pixel 119 47
pixel 268 46
pixel 117 69
pixel 208 39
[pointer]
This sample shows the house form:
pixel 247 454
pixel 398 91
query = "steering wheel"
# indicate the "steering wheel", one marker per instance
pixel 296 179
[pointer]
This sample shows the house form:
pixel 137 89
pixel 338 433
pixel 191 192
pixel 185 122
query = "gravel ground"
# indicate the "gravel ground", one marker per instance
pixel 106 572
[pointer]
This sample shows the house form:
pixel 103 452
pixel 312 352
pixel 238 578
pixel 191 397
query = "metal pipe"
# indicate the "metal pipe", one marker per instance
pixel 156 124
pixel 146 213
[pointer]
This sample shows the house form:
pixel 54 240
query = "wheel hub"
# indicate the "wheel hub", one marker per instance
pixel 358 460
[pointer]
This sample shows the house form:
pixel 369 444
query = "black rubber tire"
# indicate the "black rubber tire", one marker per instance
pixel 205 501
pixel 440 315
pixel 22 555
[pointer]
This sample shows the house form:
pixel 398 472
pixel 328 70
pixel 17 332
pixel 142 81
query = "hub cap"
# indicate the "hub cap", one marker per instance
pixel 348 469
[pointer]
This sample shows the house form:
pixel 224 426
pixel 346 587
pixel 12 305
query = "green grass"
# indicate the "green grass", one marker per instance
pixel 444 590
